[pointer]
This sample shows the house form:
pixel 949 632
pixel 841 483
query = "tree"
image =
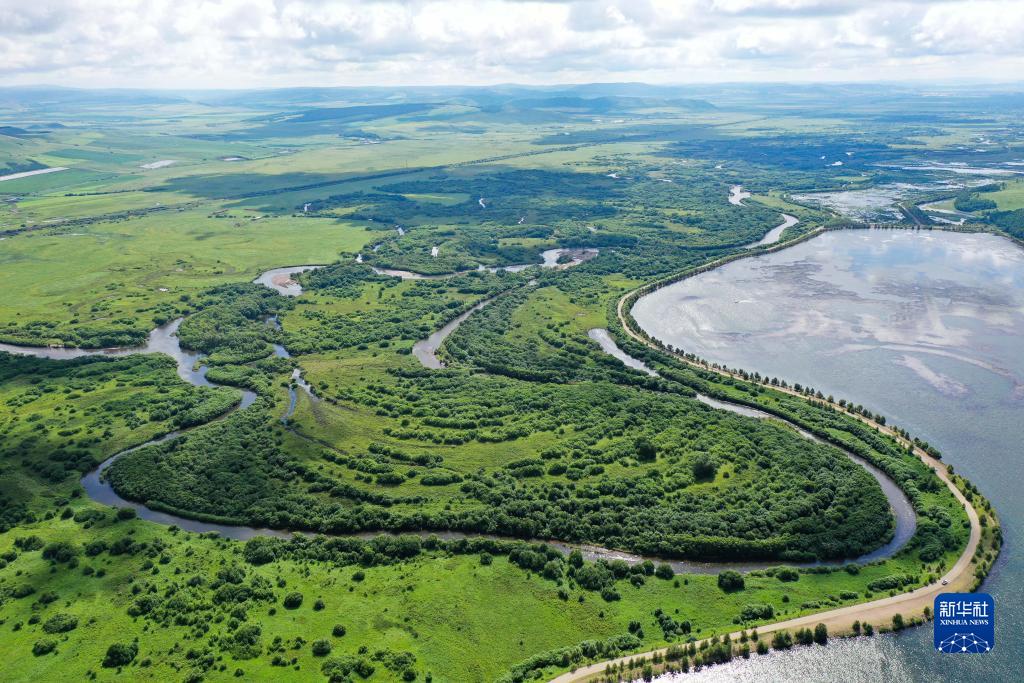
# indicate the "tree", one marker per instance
pixel 120 654
pixel 338 631
pixel 645 450
pixel 293 600
pixel 321 648
pixel 664 571
pixel 821 634
pixel 782 640
pixel 897 622
pixel 704 467
pixel 730 581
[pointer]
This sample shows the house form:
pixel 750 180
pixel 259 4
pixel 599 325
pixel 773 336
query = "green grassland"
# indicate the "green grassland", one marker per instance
pixel 530 431
pixel 1010 197
pixel 113 274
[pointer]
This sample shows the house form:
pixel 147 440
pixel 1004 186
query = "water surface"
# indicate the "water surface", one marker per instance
pixel 924 327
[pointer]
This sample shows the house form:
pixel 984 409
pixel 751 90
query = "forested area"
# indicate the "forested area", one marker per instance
pixel 652 225
pixel 1010 221
pixel 652 472
pixel 392 310
pixel 230 323
pixel 61 417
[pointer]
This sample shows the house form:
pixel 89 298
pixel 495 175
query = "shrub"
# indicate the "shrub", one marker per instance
pixel 821 634
pixel 786 574
pixel 891 581
pixel 338 631
pixel 44 647
pixel 22 591
pixel 248 635
pixel 321 648
pixel 730 581
pixel 756 611
pixel 664 571
pixel 293 600
pixel 339 668
pixel 60 551
pixel 552 570
pixel 28 543
pixel 594 576
pixel 95 548
pixel 260 550
pixel 60 623
pixel 120 654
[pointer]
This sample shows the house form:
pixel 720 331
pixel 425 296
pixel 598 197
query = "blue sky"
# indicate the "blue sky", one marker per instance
pixel 268 43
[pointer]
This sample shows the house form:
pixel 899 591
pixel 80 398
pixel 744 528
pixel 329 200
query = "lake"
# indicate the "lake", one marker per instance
pixel 923 327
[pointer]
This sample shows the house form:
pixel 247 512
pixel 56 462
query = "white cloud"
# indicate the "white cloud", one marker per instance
pixel 238 43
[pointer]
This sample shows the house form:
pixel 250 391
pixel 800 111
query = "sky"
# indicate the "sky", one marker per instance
pixel 275 43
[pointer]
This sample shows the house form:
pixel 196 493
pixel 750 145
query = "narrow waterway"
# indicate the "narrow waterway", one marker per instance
pixel 737 195
pixel 775 234
pixel 281 280
pixel 425 350
pixel 550 259
pixel 162 339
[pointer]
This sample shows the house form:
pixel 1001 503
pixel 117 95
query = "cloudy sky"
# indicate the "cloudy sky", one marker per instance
pixel 247 43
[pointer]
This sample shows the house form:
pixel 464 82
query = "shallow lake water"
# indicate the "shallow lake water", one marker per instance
pixel 923 327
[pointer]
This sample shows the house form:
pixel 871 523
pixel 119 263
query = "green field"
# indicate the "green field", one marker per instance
pixel 529 432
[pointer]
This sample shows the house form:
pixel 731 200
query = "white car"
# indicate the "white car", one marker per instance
pixel 945 582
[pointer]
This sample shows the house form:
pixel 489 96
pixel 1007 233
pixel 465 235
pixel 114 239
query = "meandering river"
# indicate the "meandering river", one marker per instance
pixel 923 327
pixel 164 340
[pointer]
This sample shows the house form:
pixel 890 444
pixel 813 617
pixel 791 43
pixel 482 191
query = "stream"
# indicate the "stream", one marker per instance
pixel 550 258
